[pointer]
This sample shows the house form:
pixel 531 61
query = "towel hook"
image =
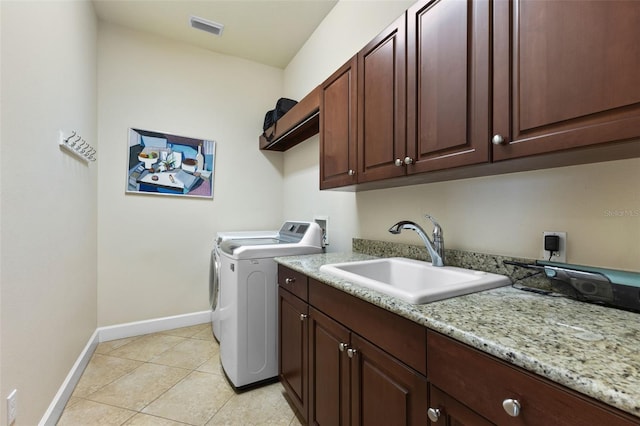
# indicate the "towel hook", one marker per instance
pixel 73 133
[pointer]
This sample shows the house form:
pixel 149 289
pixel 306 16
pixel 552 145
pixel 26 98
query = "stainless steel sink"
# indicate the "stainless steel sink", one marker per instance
pixel 415 281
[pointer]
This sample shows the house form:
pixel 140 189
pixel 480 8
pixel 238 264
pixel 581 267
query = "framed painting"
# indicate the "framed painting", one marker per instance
pixel 165 164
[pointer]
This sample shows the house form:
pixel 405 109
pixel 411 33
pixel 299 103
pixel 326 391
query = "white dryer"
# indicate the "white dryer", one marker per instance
pixel 214 271
pixel 249 301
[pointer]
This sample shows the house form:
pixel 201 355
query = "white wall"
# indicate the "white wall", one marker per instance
pixel 507 214
pixel 347 28
pixel 154 250
pixel 48 198
pixel 500 214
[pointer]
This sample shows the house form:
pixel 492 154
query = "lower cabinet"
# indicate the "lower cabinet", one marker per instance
pixel 329 371
pixel 348 379
pixel 448 411
pixel 293 349
pixel 469 387
pixel 384 391
pixel 354 382
pixel 344 361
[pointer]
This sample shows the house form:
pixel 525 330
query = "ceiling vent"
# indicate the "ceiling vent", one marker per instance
pixel 208 26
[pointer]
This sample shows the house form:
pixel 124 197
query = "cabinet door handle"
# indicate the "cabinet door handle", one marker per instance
pixel 433 414
pixel 512 407
pixel 498 140
pixel 351 172
pixel 408 160
pixel 303 317
pixel 398 162
pixel 289 280
pixel 342 346
pixel 351 352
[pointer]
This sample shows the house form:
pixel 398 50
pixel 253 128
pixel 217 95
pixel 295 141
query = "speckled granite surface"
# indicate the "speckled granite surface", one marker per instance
pixel 588 348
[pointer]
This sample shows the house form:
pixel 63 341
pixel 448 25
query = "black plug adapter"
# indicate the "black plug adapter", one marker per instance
pixel 551 243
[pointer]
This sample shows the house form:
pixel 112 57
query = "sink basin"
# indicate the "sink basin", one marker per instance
pixel 414 281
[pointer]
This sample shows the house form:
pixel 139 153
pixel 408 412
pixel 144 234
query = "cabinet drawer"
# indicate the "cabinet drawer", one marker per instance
pixel 482 383
pixel 400 337
pixel 293 281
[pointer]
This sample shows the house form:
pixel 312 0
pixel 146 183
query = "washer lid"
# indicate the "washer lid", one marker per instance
pixel 294 238
pixel 272 250
pixel 232 235
pixel 229 246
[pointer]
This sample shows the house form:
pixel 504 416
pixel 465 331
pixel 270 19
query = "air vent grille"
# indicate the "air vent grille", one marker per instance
pixel 205 25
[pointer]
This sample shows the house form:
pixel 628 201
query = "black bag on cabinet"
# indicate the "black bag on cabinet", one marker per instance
pixel 282 106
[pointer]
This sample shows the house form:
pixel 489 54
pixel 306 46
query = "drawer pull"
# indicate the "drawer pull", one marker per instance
pixel 289 280
pixel 342 346
pixel 303 317
pixel 512 407
pixel 433 414
pixel 351 352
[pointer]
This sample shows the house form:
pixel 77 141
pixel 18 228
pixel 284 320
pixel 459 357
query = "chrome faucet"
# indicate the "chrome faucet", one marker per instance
pixel 435 247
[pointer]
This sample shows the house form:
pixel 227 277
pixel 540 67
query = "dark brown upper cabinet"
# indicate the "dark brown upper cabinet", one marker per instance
pixel 566 75
pixel 338 106
pixel 457 83
pixel 382 104
pixel 423 91
pixel 448 72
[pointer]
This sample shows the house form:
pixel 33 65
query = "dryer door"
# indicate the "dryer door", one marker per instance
pixel 214 292
pixel 214 280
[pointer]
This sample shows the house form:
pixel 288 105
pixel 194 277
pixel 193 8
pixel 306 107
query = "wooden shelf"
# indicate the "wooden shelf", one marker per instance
pixel 297 125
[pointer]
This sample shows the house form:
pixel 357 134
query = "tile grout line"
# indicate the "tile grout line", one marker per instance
pixel 191 371
pixel 196 335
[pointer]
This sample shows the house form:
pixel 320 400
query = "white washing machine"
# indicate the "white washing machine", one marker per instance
pixel 249 301
pixel 214 271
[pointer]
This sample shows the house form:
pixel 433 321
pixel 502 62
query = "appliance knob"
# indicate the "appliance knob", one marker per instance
pixel 433 414
pixel 351 172
pixel 289 280
pixel 512 407
pixel 398 162
pixel 498 140
pixel 408 160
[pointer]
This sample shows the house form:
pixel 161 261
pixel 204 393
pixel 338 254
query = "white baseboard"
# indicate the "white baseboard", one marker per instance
pixel 139 328
pixel 105 334
pixel 53 413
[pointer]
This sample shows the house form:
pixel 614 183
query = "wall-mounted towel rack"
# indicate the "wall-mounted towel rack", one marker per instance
pixel 76 145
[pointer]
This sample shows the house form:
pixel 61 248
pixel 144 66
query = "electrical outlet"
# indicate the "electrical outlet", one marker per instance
pixel 323 221
pixel 12 407
pixel 556 256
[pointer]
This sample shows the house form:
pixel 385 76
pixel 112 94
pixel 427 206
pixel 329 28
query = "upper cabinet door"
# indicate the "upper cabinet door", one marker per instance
pixel 338 105
pixel 566 74
pixel 448 81
pixel 381 104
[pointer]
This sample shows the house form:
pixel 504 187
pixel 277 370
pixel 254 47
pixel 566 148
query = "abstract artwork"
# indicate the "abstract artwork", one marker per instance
pixel 166 164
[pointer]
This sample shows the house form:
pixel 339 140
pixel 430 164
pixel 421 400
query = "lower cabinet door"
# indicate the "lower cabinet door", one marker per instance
pixel 329 371
pixel 385 392
pixel 447 411
pixel 293 349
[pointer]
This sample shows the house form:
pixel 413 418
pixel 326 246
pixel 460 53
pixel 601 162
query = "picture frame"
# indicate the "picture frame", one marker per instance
pixel 166 164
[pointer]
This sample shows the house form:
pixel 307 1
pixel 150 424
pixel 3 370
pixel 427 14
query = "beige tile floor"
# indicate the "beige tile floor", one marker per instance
pixel 168 378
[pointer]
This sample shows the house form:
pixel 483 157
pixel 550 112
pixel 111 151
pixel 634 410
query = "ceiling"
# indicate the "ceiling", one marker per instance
pixel 266 31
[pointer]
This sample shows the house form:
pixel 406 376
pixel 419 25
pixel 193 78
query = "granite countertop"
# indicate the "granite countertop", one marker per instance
pixel 588 348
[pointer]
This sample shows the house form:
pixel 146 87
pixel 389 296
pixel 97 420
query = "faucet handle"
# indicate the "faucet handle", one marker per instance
pixel 437 229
